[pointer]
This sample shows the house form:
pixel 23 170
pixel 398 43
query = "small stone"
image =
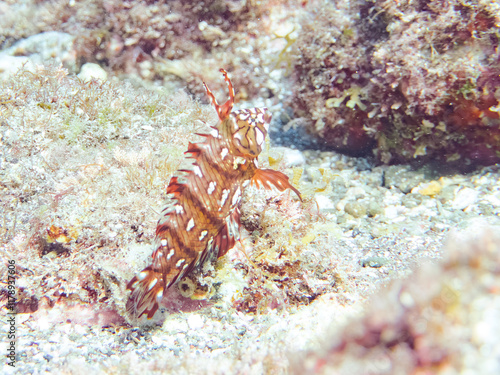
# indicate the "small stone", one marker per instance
pixel 402 179
pixel 493 199
pixel 308 238
pixel 324 203
pixel 430 189
pixel 379 231
pixel 293 158
pixel 447 193
pixel 210 32
pixel 464 198
pixel 195 321
pixel 288 156
pixel 91 71
pixel 412 200
pixel 177 326
pixel 374 262
pixel 374 209
pixel 486 209
pixel 355 209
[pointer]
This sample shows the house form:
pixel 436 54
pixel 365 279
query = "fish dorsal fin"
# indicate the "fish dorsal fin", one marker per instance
pixel 175 187
pixel 269 178
pixel 222 110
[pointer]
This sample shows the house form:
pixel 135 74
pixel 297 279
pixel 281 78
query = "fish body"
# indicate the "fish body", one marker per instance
pixel 202 219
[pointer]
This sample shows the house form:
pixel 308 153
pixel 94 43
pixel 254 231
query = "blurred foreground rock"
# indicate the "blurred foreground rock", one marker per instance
pixel 442 320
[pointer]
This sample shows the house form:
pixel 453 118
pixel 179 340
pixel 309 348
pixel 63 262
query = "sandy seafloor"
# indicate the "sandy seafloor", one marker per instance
pixel 216 340
pixel 410 284
pixel 409 232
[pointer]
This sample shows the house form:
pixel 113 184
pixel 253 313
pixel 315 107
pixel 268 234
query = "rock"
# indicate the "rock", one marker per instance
pixel 210 32
pixel 374 209
pixel 290 157
pixel 51 46
pixel 91 71
pixel 195 322
pixel 405 180
pixel 324 203
pixel 429 188
pixel 9 65
pixel 355 209
pixel 374 262
pixel 412 200
pixel 464 198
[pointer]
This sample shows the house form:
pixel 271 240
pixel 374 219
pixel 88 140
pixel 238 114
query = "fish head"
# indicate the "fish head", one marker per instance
pixel 244 129
pixel 248 130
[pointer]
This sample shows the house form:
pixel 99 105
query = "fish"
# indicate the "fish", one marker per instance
pixel 201 221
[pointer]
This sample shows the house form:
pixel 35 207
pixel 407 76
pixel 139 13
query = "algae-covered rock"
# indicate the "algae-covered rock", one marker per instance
pixel 403 81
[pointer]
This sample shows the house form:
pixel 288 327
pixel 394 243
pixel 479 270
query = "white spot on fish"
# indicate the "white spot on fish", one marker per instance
pixel 223 199
pixel 142 275
pixel 259 136
pixel 236 197
pixel 159 295
pixel 179 262
pixel 190 225
pixel 243 116
pixel 152 284
pixel 239 161
pixel 211 187
pixel 223 153
pixel 170 254
pixel 203 234
pixel 197 171
pixel 179 209
pixel 163 242
pixel 214 133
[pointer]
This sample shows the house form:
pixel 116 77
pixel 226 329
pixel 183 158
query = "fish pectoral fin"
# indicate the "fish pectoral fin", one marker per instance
pixel 269 178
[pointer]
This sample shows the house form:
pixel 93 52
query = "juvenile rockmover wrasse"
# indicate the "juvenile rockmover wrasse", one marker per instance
pixel 202 219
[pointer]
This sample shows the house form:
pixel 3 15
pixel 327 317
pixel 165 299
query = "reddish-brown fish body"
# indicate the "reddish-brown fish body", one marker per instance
pixel 202 219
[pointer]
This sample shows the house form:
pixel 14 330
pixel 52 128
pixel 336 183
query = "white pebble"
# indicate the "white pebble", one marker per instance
pixel 324 203
pixel 195 321
pixel 92 71
pixel 464 198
